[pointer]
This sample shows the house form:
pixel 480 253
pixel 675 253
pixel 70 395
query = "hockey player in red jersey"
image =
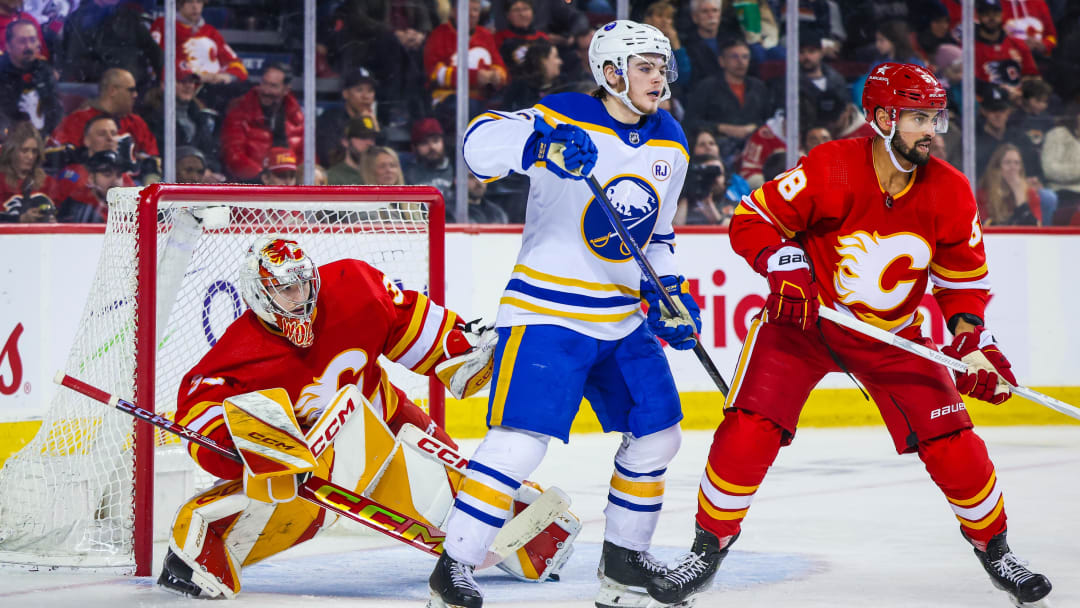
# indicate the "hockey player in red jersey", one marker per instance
pixel 862 226
pixel 310 335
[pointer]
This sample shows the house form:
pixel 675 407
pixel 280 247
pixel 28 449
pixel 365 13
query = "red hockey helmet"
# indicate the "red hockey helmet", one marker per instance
pixel 904 86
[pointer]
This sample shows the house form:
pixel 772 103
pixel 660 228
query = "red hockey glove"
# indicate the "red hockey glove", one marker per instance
pixel 793 296
pixel 987 367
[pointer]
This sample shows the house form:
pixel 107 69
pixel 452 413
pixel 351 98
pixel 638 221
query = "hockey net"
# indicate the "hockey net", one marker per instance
pixel 78 495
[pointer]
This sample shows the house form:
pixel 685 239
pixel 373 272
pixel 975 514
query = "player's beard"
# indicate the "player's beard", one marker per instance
pixel 911 154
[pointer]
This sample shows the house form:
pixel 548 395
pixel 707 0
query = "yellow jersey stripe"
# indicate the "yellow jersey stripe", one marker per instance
pixel 550 278
pixel 957 274
pixel 588 126
pixel 486 494
pixel 986 521
pixel 759 198
pixel 727 486
pixel 581 316
pixel 983 493
pixel 506 369
pixel 714 513
pixel 415 323
pixel 641 489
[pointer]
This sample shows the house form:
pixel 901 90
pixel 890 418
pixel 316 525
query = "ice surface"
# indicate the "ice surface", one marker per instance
pixel 841 520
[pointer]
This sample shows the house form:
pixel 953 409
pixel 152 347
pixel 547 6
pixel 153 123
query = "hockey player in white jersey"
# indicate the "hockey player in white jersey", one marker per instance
pixel 570 323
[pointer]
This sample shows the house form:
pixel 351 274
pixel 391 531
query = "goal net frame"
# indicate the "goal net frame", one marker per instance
pixel 148 229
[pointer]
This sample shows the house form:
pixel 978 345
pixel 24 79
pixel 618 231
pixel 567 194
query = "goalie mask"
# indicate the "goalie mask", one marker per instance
pixel 280 283
pixel 616 43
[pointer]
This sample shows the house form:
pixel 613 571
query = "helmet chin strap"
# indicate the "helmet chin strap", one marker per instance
pixel 888 143
pixel 625 95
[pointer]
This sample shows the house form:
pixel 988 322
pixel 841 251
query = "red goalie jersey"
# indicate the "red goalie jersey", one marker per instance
pixel 873 254
pixel 359 315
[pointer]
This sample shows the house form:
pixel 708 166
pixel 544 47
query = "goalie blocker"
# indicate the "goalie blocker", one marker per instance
pixel 241 522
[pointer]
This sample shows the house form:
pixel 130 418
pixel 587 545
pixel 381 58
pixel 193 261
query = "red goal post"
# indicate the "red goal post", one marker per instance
pixel 152 313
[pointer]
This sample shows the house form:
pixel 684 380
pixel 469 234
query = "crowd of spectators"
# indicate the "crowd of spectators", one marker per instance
pixel 82 93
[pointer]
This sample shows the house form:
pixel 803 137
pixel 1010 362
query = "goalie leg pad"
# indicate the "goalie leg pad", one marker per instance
pixel 543 557
pixel 271 445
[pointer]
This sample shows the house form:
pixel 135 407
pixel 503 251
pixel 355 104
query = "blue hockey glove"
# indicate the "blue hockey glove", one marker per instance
pixel 678 328
pixel 566 150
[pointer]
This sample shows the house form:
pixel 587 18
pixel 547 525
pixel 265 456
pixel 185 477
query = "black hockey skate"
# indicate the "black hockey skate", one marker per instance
pixel 1010 574
pixel 623 574
pixel 452 585
pixel 694 572
pixel 176 576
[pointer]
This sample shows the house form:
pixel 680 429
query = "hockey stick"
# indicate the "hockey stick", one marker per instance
pixel 938 357
pixel 321 492
pixel 351 505
pixel 650 275
pixel 521 528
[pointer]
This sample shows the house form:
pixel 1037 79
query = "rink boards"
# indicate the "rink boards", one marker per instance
pixel 47 275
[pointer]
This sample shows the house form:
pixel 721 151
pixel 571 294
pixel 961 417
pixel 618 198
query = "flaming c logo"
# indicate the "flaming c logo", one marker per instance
pixel 280 250
pixel 10 353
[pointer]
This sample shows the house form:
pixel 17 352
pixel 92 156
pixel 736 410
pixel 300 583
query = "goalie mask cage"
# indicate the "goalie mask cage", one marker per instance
pixel 81 493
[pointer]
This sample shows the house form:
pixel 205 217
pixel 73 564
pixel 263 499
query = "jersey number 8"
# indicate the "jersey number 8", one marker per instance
pixel 791 183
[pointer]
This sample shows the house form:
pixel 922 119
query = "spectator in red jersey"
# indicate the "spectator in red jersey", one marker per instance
pixel 26 193
pixel 200 48
pixel 1000 58
pixel 116 97
pixel 487 72
pixel 514 40
pixel 27 82
pixel 10 11
pixel 88 204
pixel 103 34
pixel 265 117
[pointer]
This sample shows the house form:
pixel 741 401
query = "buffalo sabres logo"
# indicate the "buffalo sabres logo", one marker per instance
pixel 636 202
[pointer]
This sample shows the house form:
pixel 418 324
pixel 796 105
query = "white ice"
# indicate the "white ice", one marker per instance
pixel 841 520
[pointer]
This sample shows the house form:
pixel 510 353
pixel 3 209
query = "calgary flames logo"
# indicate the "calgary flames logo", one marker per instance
pixel 864 260
pixel 346 368
pixel 278 251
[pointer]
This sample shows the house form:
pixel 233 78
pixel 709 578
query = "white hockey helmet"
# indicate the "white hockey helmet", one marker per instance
pixel 620 40
pixel 271 267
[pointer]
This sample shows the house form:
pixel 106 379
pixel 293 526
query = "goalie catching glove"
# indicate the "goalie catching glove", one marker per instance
pixel 566 150
pixel 989 374
pixel 793 296
pixel 678 327
pixel 469 363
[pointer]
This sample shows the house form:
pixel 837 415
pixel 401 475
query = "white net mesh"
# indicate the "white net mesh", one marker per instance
pixel 66 498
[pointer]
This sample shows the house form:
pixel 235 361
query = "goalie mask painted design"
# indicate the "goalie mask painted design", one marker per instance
pixel 280 283
pixel 620 40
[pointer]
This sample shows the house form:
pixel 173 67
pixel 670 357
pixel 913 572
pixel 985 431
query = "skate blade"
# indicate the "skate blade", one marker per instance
pixel 616 595
pixel 437 602
pixel 1043 603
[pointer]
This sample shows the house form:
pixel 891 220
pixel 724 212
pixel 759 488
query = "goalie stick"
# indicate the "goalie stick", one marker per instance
pixel 331 496
pixel 938 357
pixel 650 275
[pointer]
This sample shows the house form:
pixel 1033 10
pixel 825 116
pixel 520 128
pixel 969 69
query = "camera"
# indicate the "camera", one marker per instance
pixel 700 180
